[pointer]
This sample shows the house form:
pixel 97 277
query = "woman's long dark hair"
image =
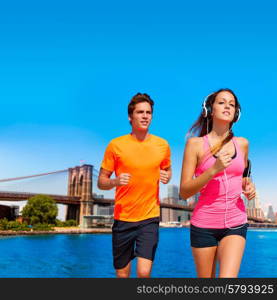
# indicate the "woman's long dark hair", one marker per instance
pixel 204 125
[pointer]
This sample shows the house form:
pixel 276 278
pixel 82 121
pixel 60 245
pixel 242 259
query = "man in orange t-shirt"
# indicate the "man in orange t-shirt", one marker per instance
pixel 140 161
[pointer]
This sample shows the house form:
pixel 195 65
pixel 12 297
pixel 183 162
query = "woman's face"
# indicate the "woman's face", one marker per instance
pixel 224 106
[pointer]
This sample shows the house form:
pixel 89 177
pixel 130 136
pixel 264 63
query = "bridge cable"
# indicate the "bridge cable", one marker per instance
pixel 31 176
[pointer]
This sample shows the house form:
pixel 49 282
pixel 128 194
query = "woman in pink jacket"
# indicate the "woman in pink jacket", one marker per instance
pixel 213 165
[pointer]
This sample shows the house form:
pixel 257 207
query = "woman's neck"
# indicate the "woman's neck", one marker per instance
pixel 219 133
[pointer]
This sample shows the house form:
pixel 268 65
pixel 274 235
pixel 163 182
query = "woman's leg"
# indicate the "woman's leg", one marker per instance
pixel 205 261
pixel 230 252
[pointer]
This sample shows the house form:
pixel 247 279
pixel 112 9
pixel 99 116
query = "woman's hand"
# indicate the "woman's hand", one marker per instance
pixel 249 189
pixel 222 162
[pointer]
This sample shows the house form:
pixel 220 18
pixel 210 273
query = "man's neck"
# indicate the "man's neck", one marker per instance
pixel 140 135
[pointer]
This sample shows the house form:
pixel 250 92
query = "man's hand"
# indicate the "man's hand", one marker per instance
pixel 122 179
pixel 164 176
pixel 249 189
pixel 106 183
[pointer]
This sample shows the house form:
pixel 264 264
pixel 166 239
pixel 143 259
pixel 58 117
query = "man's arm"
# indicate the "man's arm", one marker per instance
pixel 107 183
pixel 104 180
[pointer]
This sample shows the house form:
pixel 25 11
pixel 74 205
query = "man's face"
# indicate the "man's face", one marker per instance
pixel 142 116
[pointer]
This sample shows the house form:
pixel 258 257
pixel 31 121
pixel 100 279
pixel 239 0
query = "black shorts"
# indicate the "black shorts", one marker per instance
pixel 209 237
pixel 131 239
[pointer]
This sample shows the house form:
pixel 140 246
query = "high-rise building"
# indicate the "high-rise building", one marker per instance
pixel 270 214
pixel 254 203
pixel 254 208
pixel 193 200
pixel 173 191
pixel 173 197
pixel 167 214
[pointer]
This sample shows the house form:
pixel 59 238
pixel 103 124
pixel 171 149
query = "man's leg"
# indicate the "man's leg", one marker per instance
pixel 123 240
pixel 146 245
pixel 124 272
pixel 144 267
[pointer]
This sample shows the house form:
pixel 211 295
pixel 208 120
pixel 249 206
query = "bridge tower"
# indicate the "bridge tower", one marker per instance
pixel 80 185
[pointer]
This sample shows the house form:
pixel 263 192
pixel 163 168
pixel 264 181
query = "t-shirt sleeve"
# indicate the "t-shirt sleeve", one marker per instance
pixel 108 162
pixel 166 163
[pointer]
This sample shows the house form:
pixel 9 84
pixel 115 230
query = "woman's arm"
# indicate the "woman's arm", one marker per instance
pixel 244 145
pixel 189 185
pixel 248 187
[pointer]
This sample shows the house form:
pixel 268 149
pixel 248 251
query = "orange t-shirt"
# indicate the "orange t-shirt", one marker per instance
pixel 139 200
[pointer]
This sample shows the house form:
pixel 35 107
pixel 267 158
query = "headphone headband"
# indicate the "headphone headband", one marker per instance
pixel 205 111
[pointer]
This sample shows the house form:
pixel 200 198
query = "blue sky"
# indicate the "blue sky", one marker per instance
pixel 68 70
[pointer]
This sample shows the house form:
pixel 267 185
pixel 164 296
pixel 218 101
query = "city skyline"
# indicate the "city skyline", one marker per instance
pixel 255 208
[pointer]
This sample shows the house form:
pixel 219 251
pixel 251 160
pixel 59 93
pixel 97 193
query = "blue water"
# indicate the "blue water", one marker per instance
pixel 90 255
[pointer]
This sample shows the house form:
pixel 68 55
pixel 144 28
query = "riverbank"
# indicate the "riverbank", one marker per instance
pixel 78 230
pixel 251 225
pixel 58 230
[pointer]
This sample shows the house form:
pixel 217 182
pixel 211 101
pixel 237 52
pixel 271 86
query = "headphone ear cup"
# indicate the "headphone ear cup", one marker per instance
pixel 204 111
pixel 209 110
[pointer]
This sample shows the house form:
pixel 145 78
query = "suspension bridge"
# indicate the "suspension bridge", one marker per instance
pixel 80 199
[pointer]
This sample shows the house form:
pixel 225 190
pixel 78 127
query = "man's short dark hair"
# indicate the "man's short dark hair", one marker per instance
pixel 138 98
